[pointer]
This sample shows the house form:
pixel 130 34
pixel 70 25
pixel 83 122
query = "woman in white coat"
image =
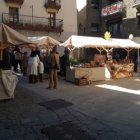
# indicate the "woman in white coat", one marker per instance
pixel 32 69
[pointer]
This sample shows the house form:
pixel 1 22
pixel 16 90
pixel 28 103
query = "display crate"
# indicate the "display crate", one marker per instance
pixel 81 81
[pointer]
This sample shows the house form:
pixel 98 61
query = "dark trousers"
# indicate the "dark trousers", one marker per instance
pixel 24 70
pixel 40 77
pixel 16 65
pixel 32 78
pixel 53 78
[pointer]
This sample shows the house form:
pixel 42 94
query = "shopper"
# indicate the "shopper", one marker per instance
pixel 65 62
pixel 24 63
pixel 41 70
pixel 17 58
pixel 7 59
pixel 53 62
pixel 32 69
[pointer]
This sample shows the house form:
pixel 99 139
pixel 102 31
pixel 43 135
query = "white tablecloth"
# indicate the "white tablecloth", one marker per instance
pixel 8 83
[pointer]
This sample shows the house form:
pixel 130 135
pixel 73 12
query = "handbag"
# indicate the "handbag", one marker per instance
pixel 56 66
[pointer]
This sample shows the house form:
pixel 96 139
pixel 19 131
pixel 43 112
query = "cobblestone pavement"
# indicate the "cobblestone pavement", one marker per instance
pixel 102 113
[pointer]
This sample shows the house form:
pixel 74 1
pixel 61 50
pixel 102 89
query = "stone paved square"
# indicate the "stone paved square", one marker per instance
pixel 56 104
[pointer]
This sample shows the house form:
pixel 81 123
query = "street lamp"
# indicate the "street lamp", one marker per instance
pixel 131 36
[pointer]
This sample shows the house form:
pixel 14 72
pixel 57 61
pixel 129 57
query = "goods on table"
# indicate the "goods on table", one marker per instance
pixel 121 70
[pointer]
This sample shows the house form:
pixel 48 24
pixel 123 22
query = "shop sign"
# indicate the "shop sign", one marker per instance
pixel 111 9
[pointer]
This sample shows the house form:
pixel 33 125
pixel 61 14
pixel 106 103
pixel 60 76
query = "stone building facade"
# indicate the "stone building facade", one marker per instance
pixel 120 17
pixel 56 18
pixel 89 19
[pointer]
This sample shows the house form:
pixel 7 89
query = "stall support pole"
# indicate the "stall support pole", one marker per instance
pixel 138 65
pixel 128 51
pixel 138 56
pixel 78 53
pixel 1 57
pixel 100 50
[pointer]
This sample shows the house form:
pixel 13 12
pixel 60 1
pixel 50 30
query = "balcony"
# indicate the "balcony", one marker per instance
pixel 112 9
pixel 24 22
pixel 20 2
pixel 53 5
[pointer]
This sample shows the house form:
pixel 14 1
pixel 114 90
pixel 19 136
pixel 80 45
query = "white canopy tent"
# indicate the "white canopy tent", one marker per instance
pixel 47 42
pixel 93 42
pixel 8 80
pixel 8 35
pixel 44 40
pixel 137 40
pixel 89 42
pixel 127 44
pixel 99 43
pixel 84 41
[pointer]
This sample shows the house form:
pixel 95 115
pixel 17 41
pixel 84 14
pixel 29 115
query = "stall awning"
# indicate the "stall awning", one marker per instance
pixel 44 40
pixel 136 39
pixel 88 42
pixel 126 43
pixel 8 35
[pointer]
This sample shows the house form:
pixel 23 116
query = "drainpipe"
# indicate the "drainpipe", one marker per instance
pixel 100 25
pixel 2 18
pixel 32 8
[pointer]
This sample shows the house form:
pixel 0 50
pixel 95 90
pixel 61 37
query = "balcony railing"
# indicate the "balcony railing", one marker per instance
pixel 52 4
pixel 116 7
pixel 20 2
pixel 24 22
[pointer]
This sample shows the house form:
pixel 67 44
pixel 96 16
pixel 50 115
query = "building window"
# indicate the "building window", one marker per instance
pixel 52 19
pixel 115 28
pixel 13 15
pixel 54 1
pixel 51 0
pixel 95 4
pixel 94 27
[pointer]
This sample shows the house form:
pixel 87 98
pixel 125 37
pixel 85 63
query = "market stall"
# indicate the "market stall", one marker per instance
pixel 112 68
pixel 8 80
pixel 93 70
pixel 123 68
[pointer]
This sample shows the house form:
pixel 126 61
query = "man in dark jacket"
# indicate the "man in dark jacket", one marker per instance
pixel 65 61
pixel 53 62
pixel 7 59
